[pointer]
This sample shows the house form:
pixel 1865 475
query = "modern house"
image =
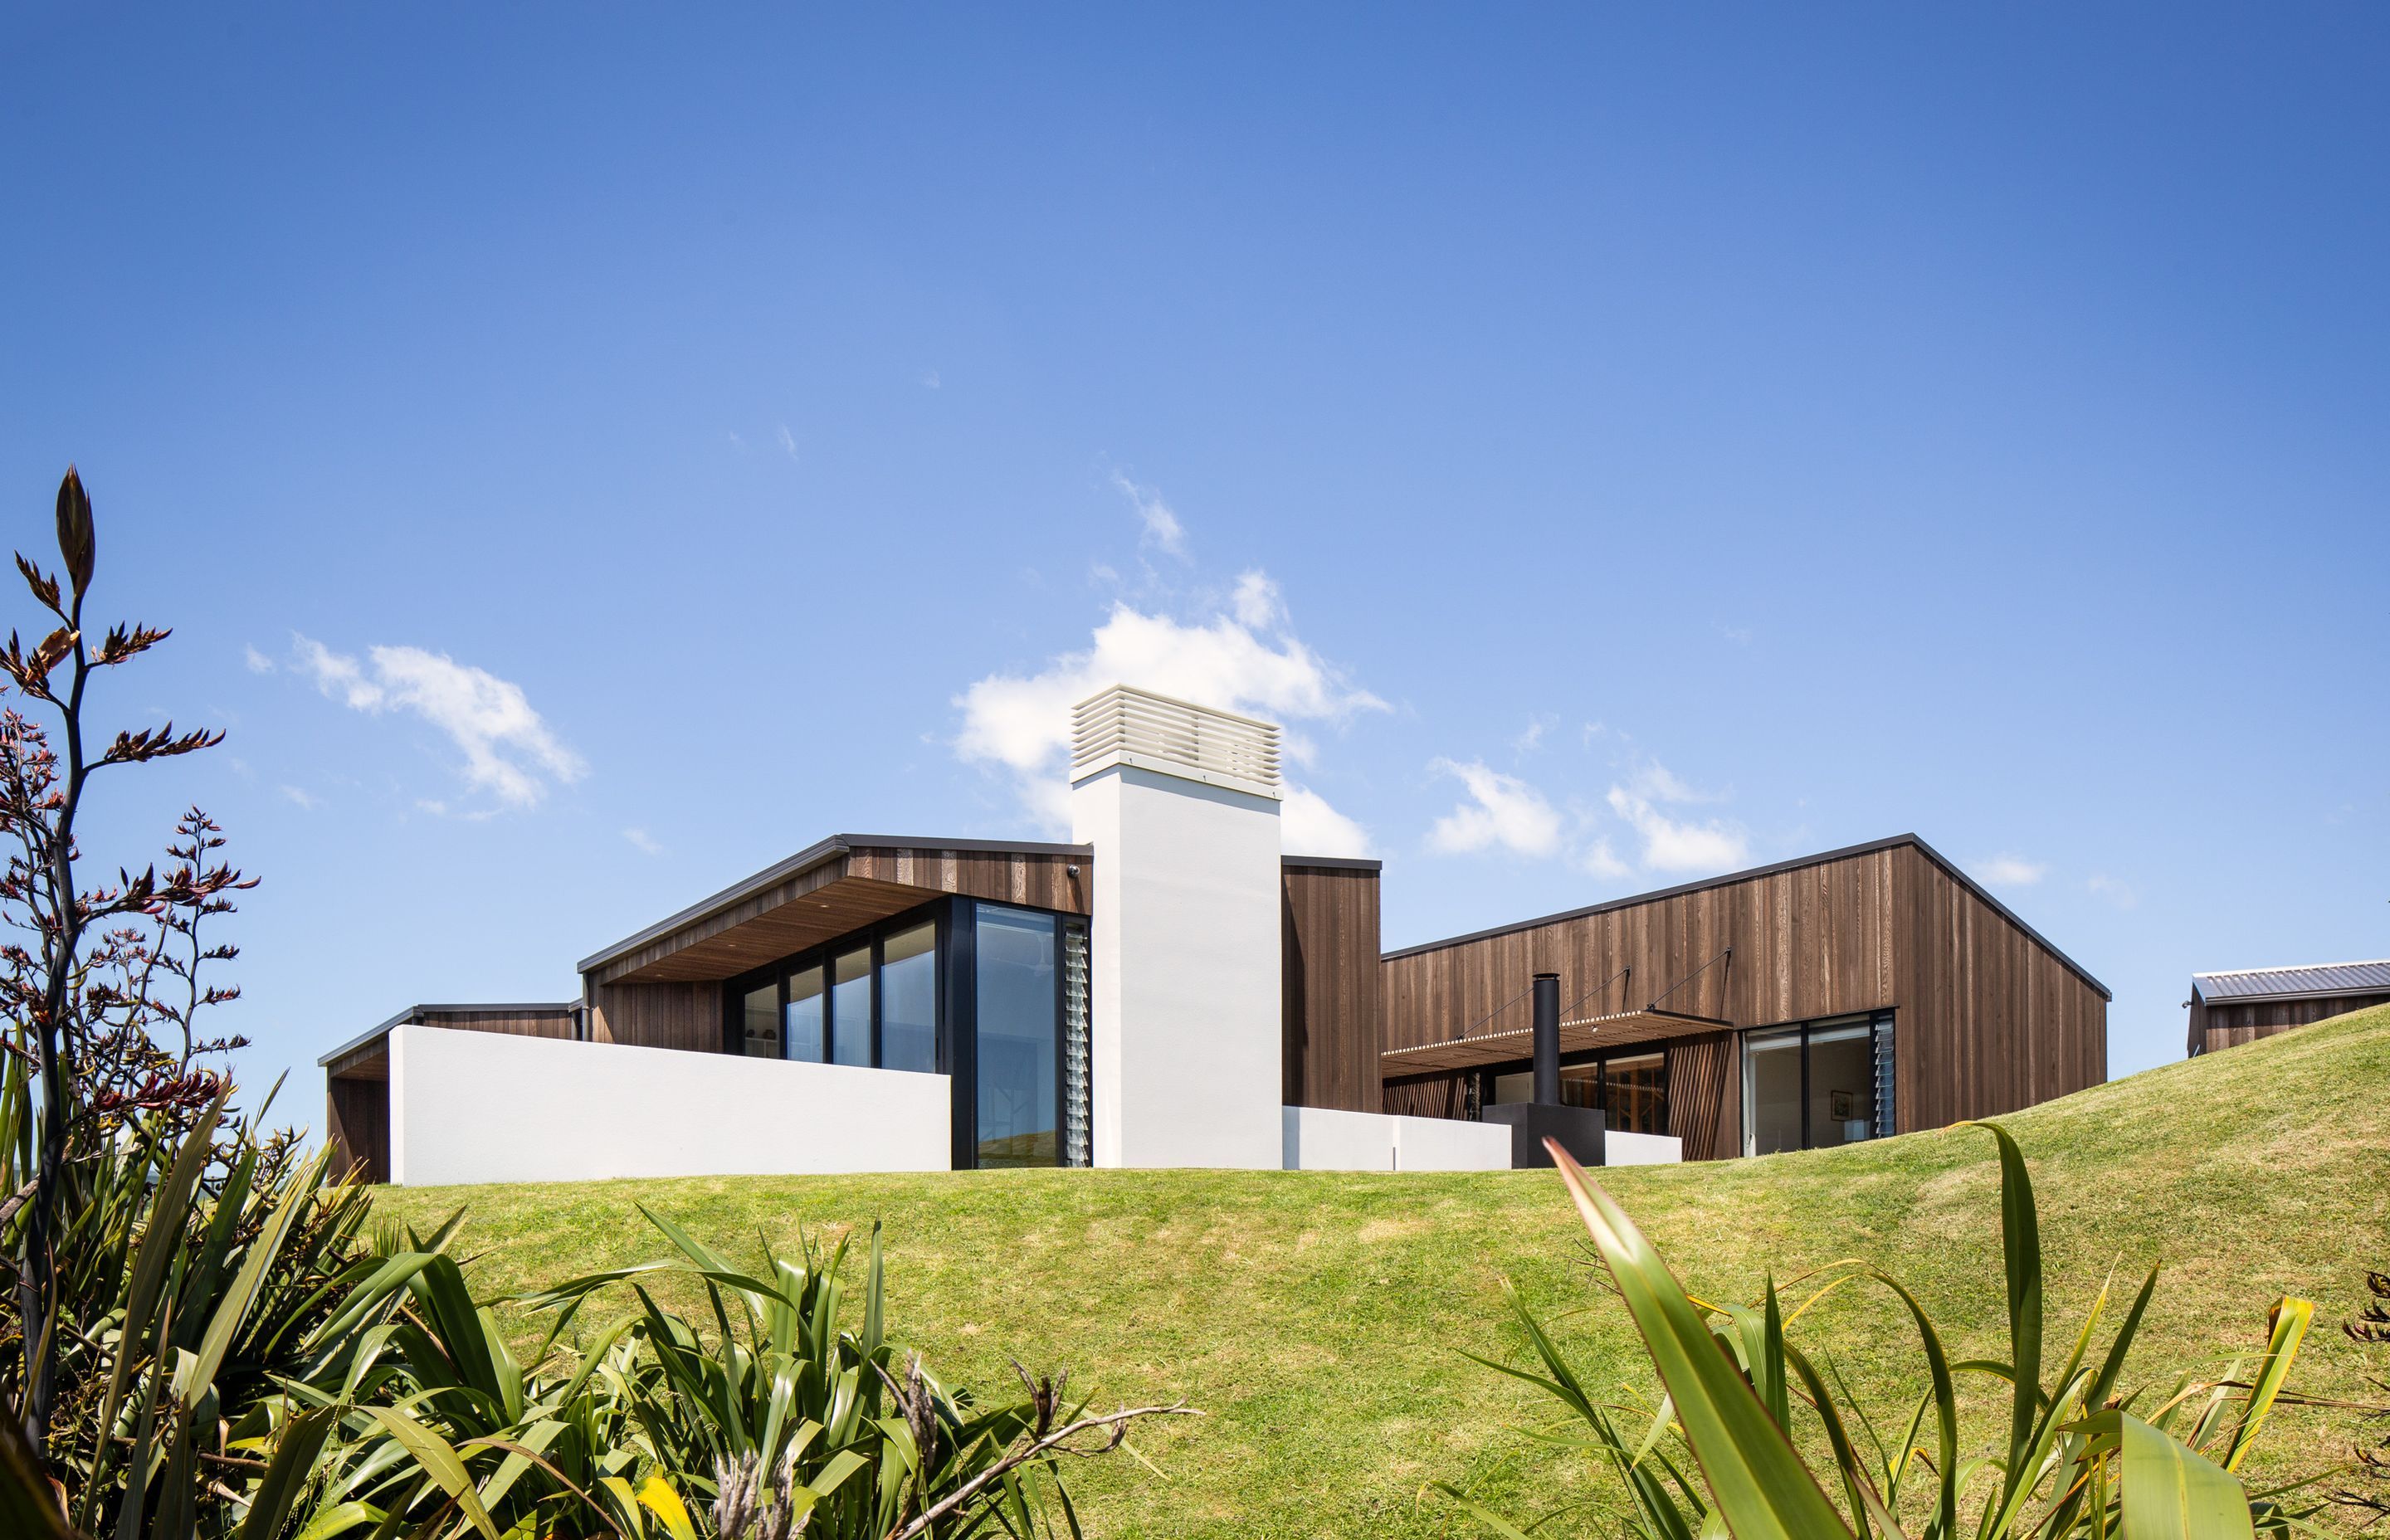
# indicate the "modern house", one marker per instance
pixel 1172 989
pixel 2250 1003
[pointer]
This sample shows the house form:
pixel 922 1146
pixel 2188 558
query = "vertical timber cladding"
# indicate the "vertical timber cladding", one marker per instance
pixel 1988 1017
pixel 1331 981
pixel 1991 1018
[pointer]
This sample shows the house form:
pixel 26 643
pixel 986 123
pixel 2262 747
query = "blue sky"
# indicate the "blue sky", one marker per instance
pixel 587 454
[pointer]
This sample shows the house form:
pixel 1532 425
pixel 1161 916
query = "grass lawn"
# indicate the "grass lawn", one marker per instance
pixel 1318 1319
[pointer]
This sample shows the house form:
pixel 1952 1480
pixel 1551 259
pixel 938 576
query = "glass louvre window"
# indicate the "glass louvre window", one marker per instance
pixel 761 1018
pixel 1842 1084
pixel 909 999
pixel 850 1007
pixel 1077 1108
pixel 1020 1058
pixel 1637 1094
pixel 804 1019
pixel 1771 1091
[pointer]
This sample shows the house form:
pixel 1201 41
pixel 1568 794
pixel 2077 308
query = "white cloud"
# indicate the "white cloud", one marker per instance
pixel 1021 724
pixel 2012 871
pixel 258 661
pixel 930 380
pixel 787 441
pixel 1162 527
pixel 1307 825
pixel 644 842
pixel 1501 810
pixel 1597 859
pixel 509 750
pixel 1531 736
pixel 2114 890
pixel 1679 845
pixel 304 799
pixel 1256 601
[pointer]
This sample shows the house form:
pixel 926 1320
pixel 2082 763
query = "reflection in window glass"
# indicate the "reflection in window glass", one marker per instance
pixel 1842 1084
pixel 909 999
pixel 850 1007
pixel 804 1031
pixel 1018 1055
pixel 762 1020
pixel 1637 1099
pixel 1771 1091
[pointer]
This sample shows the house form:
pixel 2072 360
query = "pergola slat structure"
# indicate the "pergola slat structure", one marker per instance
pixel 1616 1030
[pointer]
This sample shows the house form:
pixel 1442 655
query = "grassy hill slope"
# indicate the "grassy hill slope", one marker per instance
pixel 1317 1316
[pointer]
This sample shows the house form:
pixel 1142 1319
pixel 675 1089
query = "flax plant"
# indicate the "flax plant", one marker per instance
pixel 2078 1456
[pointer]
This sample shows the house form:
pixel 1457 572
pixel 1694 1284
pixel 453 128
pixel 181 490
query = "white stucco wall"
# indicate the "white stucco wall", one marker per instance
pixel 1640 1150
pixel 1183 1029
pixel 481 1107
pixel 1318 1138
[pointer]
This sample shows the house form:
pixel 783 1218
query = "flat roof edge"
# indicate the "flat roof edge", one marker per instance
pixel 1333 862
pixel 1753 874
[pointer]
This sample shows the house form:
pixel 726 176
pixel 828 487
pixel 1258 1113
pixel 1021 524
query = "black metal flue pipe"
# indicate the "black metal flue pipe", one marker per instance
pixel 1548 1039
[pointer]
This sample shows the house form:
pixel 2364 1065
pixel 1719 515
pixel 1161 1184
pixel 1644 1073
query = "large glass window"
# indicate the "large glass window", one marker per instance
pixel 850 1007
pixel 1630 1089
pixel 1771 1091
pixel 1816 1084
pixel 1636 1096
pixel 759 1019
pixel 805 1016
pixel 1842 1084
pixel 909 999
pixel 1019 1051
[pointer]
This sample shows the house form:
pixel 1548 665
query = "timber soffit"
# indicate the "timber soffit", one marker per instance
pixel 1730 878
pixel 549 1007
pixel 831 849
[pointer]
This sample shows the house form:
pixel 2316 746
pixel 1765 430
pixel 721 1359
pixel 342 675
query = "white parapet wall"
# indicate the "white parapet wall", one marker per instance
pixel 1640 1150
pixel 1319 1138
pixel 482 1107
pixel 1180 807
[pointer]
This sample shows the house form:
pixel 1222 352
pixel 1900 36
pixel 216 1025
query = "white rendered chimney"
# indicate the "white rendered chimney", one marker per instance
pixel 1180 803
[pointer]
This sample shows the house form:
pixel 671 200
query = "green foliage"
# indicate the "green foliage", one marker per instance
pixel 263 1371
pixel 2075 1457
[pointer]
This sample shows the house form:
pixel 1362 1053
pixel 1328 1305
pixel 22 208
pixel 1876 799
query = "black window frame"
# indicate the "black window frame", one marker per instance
pixel 869 938
pixel 1883 1039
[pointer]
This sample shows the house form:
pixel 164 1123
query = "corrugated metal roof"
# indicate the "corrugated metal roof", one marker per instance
pixel 2259 984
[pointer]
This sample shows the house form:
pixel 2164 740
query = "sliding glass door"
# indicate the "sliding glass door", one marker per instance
pixel 1817 1085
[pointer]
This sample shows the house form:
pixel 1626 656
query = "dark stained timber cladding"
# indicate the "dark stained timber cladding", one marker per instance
pixel 2228 1024
pixel 1331 980
pixel 1990 1017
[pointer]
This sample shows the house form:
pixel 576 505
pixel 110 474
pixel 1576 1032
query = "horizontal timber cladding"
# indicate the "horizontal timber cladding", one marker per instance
pixel 1331 1006
pixel 841 885
pixel 1989 1019
pixel 658 1016
pixel 2228 1024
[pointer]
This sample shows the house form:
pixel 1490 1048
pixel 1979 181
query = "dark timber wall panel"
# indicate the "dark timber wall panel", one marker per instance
pixel 845 891
pixel 1701 1071
pixel 2228 1022
pixel 658 1016
pixel 554 1023
pixel 1331 986
pixel 1989 1020
pixel 1808 942
pixel 356 1120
